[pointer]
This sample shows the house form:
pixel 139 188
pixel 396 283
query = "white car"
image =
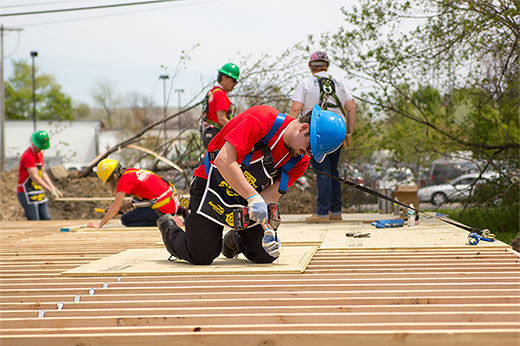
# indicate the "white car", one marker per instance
pixel 456 190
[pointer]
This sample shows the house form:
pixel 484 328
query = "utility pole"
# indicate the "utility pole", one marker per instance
pixel 33 55
pixel 164 77
pixel 2 95
pixel 179 91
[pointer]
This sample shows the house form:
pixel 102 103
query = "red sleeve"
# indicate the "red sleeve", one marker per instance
pixel 28 161
pixel 126 183
pixel 246 134
pixel 221 101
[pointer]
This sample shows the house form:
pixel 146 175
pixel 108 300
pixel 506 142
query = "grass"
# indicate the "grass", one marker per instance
pixel 503 221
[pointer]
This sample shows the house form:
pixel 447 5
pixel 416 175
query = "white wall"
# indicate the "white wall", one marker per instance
pixel 71 142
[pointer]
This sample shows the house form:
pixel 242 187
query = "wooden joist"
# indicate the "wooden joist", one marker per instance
pixel 450 295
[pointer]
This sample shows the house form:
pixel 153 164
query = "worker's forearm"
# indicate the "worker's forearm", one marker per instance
pixel 350 107
pixel 111 212
pixel 222 118
pixel 295 110
pixel 41 182
pixel 270 194
pixel 48 180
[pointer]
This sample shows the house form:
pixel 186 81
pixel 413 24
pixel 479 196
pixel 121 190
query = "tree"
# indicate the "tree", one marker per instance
pixel 446 70
pixel 105 96
pixel 51 102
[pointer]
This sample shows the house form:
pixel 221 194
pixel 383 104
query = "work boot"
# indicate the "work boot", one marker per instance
pixel 229 245
pixel 335 217
pixel 317 219
pixel 164 223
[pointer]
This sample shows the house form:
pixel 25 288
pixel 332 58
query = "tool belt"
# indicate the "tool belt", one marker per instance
pixel 32 191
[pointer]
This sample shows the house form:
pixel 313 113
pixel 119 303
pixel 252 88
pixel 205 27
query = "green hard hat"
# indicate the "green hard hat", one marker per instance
pixel 230 70
pixel 40 140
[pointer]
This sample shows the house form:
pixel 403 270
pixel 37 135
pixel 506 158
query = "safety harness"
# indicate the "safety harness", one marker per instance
pixel 328 88
pixel 205 110
pixel 268 161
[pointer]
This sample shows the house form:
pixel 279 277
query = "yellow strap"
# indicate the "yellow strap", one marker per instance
pixel 161 203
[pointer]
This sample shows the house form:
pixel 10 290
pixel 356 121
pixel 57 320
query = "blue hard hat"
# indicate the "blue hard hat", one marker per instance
pixel 328 131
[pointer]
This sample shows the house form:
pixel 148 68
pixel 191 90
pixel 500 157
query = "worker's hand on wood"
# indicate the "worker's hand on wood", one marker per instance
pixel 271 244
pixel 94 224
pixel 57 193
pixel 257 209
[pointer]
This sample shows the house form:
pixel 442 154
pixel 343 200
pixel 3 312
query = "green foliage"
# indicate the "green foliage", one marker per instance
pixel 502 221
pixel 51 102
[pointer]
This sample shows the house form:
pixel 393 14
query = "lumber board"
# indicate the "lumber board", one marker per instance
pixel 448 337
pixel 261 318
pixel 155 262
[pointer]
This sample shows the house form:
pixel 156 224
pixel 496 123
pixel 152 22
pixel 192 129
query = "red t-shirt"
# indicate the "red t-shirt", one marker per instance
pixel 146 185
pixel 28 159
pixel 247 129
pixel 218 101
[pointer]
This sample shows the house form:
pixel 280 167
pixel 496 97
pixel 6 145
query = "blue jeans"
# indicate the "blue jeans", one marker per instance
pixel 328 199
pixel 34 211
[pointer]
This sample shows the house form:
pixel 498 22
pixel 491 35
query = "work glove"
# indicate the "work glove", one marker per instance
pixel 57 193
pixel 257 209
pixel 271 244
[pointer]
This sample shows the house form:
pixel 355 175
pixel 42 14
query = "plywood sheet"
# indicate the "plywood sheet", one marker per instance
pixel 420 236
pixel 113 225
pixel 347 218
pixel 300 234
pixel 143 262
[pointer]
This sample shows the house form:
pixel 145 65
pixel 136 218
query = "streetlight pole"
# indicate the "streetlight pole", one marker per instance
pixel 33 55
pixel 164 77
pixel 179 91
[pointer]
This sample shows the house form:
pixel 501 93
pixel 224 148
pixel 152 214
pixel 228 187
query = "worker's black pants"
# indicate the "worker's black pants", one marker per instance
pixel 139 217
pixel 202 241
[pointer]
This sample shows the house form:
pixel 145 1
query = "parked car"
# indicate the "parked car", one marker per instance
pixel 457 189
pixel 441 171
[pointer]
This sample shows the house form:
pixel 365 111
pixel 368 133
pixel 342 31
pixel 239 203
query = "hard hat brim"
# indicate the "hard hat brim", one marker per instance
pixel 317 154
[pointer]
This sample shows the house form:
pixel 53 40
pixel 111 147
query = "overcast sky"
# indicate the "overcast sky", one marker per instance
pixel 127 45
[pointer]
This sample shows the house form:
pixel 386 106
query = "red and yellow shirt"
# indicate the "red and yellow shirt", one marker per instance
pixel 146 185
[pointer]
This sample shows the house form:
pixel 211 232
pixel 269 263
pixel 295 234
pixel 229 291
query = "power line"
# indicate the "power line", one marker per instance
pixel 84 8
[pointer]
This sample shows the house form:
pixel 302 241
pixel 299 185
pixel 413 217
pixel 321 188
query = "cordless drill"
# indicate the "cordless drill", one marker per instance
pixel 241 218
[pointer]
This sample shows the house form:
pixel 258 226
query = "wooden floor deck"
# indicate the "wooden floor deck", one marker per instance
pixel 362 292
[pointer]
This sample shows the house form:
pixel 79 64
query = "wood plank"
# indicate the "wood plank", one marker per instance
pixel 449 337
pixel 297 301
pixel 372 328
pixel 245 318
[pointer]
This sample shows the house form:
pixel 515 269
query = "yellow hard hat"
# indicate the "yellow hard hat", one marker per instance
pixel 105 168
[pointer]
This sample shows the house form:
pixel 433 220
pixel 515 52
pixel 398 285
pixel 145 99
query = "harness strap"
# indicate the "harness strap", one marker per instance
pixel 205 108
pixel 329 90
pixel 280 118
pixel 284 178
pixel 268 157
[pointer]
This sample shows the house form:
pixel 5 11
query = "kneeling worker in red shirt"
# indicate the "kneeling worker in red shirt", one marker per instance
pixel 250 162
pixel 152 195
